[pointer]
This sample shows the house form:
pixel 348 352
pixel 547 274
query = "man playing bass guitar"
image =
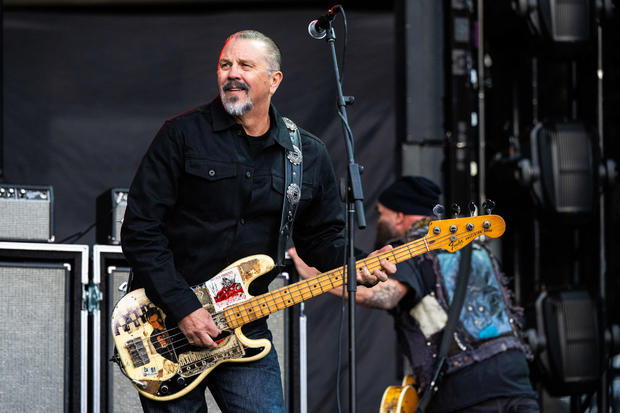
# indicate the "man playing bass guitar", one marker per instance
pixel 210 191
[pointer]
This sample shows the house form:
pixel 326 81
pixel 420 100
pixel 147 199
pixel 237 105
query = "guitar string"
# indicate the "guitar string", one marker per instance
pixel 410 249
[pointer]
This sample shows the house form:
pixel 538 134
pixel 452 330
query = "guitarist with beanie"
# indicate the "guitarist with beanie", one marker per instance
pixel 486 368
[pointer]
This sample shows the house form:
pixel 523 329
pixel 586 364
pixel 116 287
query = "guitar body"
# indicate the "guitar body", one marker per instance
pixel 158 359
pixel 400 399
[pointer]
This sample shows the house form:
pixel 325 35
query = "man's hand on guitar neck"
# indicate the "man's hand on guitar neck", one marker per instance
pixel 364 277
pixel 199 328
pixel 383 296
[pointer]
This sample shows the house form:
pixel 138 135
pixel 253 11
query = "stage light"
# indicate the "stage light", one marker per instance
pixel 567 322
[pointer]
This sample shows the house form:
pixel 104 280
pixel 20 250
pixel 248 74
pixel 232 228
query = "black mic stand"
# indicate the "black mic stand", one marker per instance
pixel 354 205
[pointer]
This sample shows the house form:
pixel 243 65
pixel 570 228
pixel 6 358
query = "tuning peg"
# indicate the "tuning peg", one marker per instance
pixel 488 206
pixel 473 208
pixel 456 210
pixel 438 211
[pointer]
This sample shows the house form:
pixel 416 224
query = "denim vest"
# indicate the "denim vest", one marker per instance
pixel 488 323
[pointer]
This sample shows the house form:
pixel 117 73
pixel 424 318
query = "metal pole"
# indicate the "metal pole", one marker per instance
pixel 481 107
pixel 534 90
pixel 603 402
pixel 303 362
pixel 355 209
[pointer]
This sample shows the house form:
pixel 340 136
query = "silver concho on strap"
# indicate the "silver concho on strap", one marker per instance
pixel 294 156
pixel 293 193
pixel 289 124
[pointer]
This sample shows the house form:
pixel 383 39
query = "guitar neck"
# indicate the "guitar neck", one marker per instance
pixel 287 296
pixel 450 235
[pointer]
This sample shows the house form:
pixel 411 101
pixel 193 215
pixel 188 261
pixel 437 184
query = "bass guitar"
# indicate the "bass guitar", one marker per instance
pixel 162 365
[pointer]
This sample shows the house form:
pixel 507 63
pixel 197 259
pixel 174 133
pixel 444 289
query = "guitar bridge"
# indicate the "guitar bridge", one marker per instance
pixel 137 352
pixel 117 359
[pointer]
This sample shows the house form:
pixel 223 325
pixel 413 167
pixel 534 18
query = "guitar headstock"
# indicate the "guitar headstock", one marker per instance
pixel 454 234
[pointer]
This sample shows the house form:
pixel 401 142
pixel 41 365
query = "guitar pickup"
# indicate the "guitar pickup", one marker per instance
pixel 137 352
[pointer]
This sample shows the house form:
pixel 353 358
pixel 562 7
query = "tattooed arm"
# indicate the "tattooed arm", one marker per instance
pixel 384 295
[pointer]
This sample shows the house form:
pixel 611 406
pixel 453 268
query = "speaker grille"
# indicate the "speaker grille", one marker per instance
pixel 26 213
pixel 564 154
pixel 573 191
pixel 33 337
pixel 580 338
pixel 571 20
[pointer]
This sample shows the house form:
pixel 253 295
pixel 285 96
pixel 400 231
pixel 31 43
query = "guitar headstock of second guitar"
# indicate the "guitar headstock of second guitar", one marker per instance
pixel 453 234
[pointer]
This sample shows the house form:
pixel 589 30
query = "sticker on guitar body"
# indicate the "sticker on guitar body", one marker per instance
pixel 149 371
pixel 227 288
pixel 192 363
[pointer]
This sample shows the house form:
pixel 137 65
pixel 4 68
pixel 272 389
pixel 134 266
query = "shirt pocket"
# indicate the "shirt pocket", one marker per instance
pixel 211 188
pixel 210 170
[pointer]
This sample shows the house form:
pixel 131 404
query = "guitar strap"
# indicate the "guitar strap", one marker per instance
pixel 292 189
pixel 454 314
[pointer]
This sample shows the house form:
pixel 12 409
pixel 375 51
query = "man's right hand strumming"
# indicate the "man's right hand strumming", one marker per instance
pixel 199 328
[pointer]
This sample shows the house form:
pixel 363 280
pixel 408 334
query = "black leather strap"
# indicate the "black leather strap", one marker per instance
pixel 453 317
pixel 293 170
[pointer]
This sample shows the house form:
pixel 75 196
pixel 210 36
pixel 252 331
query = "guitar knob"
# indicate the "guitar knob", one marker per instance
pixel 472 208
pixel 181 381
pixel 164 389
pixel 438 211
pixel 456 210
pixel 488 206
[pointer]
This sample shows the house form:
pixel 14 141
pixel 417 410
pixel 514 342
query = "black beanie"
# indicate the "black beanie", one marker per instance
pixel 411 195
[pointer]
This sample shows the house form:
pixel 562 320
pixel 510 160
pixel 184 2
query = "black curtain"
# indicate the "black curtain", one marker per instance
pixel 85 92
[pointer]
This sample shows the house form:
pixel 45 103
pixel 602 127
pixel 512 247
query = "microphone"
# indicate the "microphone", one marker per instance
pixel 318 28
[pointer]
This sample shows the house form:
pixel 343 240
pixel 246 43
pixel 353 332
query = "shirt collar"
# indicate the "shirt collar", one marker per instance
pixel 222 121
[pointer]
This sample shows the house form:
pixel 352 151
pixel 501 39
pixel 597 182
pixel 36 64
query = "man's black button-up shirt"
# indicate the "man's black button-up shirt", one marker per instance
pixel 204 197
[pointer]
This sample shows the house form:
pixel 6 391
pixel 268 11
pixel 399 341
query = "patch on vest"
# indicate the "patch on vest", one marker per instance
pixel 484 312
pixel 430 316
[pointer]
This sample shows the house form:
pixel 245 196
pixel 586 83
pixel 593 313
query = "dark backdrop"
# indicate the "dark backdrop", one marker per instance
pixel 85 92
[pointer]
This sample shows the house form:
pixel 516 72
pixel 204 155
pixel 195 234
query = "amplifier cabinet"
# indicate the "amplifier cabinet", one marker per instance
pixel 44 332
pixel 26 213
pixel 110 211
